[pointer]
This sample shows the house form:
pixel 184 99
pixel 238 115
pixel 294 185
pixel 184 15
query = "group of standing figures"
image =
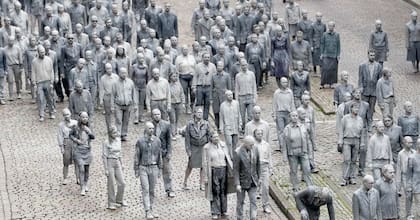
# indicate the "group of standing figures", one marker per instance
pixel 85 51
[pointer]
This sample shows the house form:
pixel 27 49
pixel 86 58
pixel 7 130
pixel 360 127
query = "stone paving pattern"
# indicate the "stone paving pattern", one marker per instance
pixel 33 162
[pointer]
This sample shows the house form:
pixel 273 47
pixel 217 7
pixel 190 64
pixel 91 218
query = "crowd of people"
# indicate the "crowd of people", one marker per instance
pixel 124 62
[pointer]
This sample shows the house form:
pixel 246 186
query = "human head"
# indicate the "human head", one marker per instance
pixel 414 16
pixel 388 121
pixel 368 182
pixel 388 172
pixel 198 113
pixel 248 142
pixel 219 66
pixel 318 16
pixel 123 73
pixel 83 118
pixel 41 52
pixel 167 7
pixel 156 115
pixel 258 134
pixel 108 68
pixel 284 83
pixel 256 113
pixel 78 86
pixel 244 65
pixel 371 55
pixel 206 58
pixel 331 26
pixel 407 142
pixel 386 72
pixel 354 109
pixel 305 100
pixel 299 64
pixel 66 114
pixel 214 138
pixel 356 94
pixel 301 114
pixel 294 117
pixel 149 129
pixel 344 76
pixel 229 95
pixel 380 127
pixel 173 77
pixel 155 74
pixel 408 107
pixel 378 25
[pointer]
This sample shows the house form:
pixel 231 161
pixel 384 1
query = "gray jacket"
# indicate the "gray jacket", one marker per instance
pixel 167 25
pixel 368 80
pixel 246 169
pixel 413 173
pixel 163 132
pixel 366 205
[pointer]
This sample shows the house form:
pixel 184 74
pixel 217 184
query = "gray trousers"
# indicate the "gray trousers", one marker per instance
pixel 2 79
pixel 408 195
pixel 174 114
pixel 363 150
pixel 108 112
pixel 83 175
pixel 138 114
pixel 252 195
pixel 162 105
pixel 388 106
pixel 166 174
pixel 282 119
pixel 44 97
pixel 350 153
pixel 372 101
pixel 298 101
pixel 294 161
pixel 148 176
pixel 416 197
pixel 264 188
pixel 122 117
pixel 246 104
pixel 219 190
pixel 203 97
pixel 231 141
pixel 14 76
pixel 115 174
pixel 93 89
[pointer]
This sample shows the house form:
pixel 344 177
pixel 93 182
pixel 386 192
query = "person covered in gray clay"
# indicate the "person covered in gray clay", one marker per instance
pixel 341 89
pixel 247 176
pixel 379 152
pixel 80 100
pixel 349 141
pixel 295 144
pixel 82 135
pixel 105 92
pixel 148 167
pixel 412 41
pixel 299 83
pixel 388 193
pixel 394 133
pixel 307 117
pixel 330 56
pixel 66 145
pixel 385 94
pixel 197 134
pixel 220 83
pixel 319 28
pixel 410 123
pixel 310 200
pixel 111 156
pixel 369 74
pixel 158 94
pixel 378 41
pixel 366 202
pixel 230 121
pixel 257 123
pixel 413 179
pixel 300 50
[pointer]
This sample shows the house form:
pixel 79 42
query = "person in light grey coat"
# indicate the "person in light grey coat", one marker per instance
pixel 293 15
pixel 220 83
pixel 410 123
pixel 379 43
pixel 247 176
pixel 369 74
pixel 295 143
pixel 401 174
pixel 300 50
pixel 379 152
pixel 366 203
pixel 385 93
pixel 230 121
pixel 394 133
pixel 167 24
pixel 412 42
pixel 413 179
pixel 349 141
pixel 388 193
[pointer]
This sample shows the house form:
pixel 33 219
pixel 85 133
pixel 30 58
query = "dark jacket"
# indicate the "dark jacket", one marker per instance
pixel 168 25
pixel 163 132
pixel 366 82
pixel 246 171
pixel 3 64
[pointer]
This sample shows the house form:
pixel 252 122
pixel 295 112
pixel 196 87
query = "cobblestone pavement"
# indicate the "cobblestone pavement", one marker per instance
pixel 33 162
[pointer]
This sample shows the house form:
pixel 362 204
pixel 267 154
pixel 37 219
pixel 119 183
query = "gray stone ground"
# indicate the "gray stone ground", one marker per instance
pixel 32 162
